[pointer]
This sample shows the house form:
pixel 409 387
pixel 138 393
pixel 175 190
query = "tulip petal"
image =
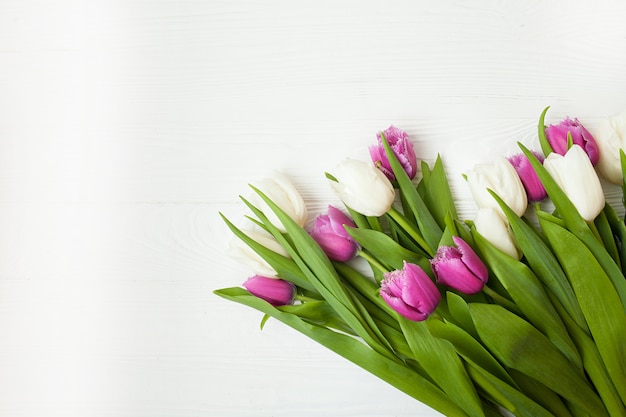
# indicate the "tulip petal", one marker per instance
pixel 471 259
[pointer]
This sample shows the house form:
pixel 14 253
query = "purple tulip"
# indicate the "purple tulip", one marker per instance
pixel 329 232
pixel 530 180
pixel 459 267
pixel 403 149
pixel 410 292
pixel 557 138
pixel 277 292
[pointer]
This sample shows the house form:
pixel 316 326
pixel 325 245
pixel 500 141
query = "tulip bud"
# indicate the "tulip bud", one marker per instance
pixel 242 252
pixel 495 229
pixel 284 195
pixel 459 267
pixel 578 180
pixel 410 292
pixel 611 137
pixel 530 180
pixel 329 232
pixel 363 187
pixel 557 138
pixel 402 147
pixel 503 180
pixel 277 292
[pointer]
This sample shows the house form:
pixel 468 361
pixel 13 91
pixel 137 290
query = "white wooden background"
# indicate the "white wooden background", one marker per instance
pixel 125 126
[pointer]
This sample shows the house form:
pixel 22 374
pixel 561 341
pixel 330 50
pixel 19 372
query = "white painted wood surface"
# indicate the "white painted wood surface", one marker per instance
pixel 125 126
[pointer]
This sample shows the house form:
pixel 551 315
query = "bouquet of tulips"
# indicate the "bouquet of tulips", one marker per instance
pixel 519 311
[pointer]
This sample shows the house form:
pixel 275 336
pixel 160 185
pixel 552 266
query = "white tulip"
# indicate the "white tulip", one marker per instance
pixel 502 179
pixel 284 195
pixel 611 137
pixel 240 251
pixel 495 228
pixel 363 187
pixel 575 175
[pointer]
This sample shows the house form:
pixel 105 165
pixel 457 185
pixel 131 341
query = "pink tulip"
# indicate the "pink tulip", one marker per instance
pixel 557 138
pixel 459 267
pixel 410 292
pixel 329 232
pixel 277 292
pixel 402 148
pixel 531 182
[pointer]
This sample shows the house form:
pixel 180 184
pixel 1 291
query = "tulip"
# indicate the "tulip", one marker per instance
pixel 284 195
pixel 410 292
pixel 578 180
pixel 329 232
pixel 495 229
pixel 277 292
pixel 503 180
pixel 530 180
pixel 363 187
pixel 557 138
pixel 611 137
pixel 402 147
pixel 459 267
pixel 242 252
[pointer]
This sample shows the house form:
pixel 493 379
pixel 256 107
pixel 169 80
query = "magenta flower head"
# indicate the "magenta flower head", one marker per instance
pixel 459 267
pixel 402 147
pixel 531 182
pixel 277 292
pixel 329 232
pixel 410 292
pixel 557 138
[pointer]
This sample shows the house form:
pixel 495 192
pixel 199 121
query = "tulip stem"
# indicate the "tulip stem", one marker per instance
pixel 503 301
pixel 372 261
pixel 410 229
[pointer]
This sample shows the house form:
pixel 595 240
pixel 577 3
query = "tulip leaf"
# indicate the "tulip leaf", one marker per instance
pixel 437 195
pixel 619 230
pixel 459 311
pixel 541 131
pixel 622 158
pixel 598 300
pixel 440 360
pixel 425 221
pixel 592 361
pixel 519 345
pixel 606 234
pixel 529 295
pixel 508 397
pixel 285 268
pixel 468 347
pixel 577 225
pixel 541 394
pixel 384 248
pixel 542 261
pixel 319 270
pixel 396 374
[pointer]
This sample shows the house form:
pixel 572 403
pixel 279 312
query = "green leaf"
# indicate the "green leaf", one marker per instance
pixel 577 225
pixel 285 268
pixel 440 360
pixel 530 296
pixel 505 395
pixel 543 262
pixel 469 348
pixel 394 373
pixel 592 361
pixel 425 221
pixel 320 272
pixel 597 298
pixel 606 234
pixel 541 131
pixel 437 195
pixel 518 345
pixel 385 249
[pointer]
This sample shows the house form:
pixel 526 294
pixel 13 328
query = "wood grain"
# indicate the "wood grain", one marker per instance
pixel 126 126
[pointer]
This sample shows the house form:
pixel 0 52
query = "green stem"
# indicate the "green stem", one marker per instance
pixel 373 261
pixel 503 301
pixel 411 230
